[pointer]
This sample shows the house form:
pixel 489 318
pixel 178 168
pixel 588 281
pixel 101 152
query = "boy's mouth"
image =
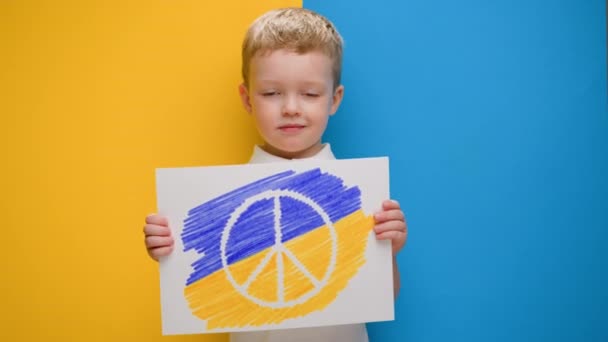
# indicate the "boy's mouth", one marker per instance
pixel 291 128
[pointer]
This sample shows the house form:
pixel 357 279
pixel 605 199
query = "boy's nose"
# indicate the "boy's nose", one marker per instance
pixel 291 106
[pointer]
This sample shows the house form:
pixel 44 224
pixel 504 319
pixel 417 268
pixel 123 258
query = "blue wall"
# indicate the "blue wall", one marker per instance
pixel 494 115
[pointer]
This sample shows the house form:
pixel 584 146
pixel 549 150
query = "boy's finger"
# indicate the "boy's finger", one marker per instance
pixel 158 252
pixel 154 229
pixel 389 215
pixel 158 241
pixel 397 226
pixel 157 219
pixel 391 235
pixel 390 204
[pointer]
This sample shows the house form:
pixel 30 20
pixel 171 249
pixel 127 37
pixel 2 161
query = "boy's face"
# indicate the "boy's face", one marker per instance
pixel 291 97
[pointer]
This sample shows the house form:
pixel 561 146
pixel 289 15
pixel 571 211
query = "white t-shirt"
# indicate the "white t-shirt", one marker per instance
pixel 335 333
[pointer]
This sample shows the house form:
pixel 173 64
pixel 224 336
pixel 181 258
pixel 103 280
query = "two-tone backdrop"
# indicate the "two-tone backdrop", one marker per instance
pixel 494 116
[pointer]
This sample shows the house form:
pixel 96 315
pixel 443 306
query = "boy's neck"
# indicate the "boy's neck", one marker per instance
pixel 307 153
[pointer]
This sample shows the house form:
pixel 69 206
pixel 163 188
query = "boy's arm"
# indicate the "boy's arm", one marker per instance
pixel 396 278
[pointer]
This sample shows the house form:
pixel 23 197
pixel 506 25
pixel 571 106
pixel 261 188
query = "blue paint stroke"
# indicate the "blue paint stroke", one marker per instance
pixel 253 231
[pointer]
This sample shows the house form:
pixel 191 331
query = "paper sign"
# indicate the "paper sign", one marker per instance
pixel 274 246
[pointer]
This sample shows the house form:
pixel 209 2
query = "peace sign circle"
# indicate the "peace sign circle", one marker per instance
pixel 279 250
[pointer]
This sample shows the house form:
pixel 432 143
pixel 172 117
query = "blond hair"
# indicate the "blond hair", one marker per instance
pixel 296 29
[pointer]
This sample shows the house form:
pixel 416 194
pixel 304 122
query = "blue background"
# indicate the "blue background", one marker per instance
pixel 494 115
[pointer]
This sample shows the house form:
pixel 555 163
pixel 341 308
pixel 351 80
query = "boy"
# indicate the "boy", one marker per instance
pixel 292 61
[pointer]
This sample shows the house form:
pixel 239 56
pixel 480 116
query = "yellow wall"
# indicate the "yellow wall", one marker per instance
pixel 94 95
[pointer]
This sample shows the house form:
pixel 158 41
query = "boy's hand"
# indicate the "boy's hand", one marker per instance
pixel 391 225
pixel 158 239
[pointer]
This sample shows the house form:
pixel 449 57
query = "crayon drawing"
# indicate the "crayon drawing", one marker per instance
pixel 274 249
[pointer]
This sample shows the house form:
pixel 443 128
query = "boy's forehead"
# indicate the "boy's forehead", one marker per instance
pixel 312 66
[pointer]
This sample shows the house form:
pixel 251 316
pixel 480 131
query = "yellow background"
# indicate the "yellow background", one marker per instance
pixel 94 95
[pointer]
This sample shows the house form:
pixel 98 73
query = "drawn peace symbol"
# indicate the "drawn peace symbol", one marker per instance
pixel 278 250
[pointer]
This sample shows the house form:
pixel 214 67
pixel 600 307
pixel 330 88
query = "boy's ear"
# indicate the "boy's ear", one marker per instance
pixel 245 97
pixel 336 99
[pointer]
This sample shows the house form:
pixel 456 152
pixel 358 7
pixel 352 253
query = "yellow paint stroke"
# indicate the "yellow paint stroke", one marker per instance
pixel 215 300
pixel 264 286
pixel 296 283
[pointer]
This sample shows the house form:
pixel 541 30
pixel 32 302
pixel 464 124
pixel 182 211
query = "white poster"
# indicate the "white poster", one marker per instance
pixel 274 245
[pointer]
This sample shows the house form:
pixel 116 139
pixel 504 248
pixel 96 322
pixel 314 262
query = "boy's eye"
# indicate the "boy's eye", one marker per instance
pixel 312 94
pixel 270 93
